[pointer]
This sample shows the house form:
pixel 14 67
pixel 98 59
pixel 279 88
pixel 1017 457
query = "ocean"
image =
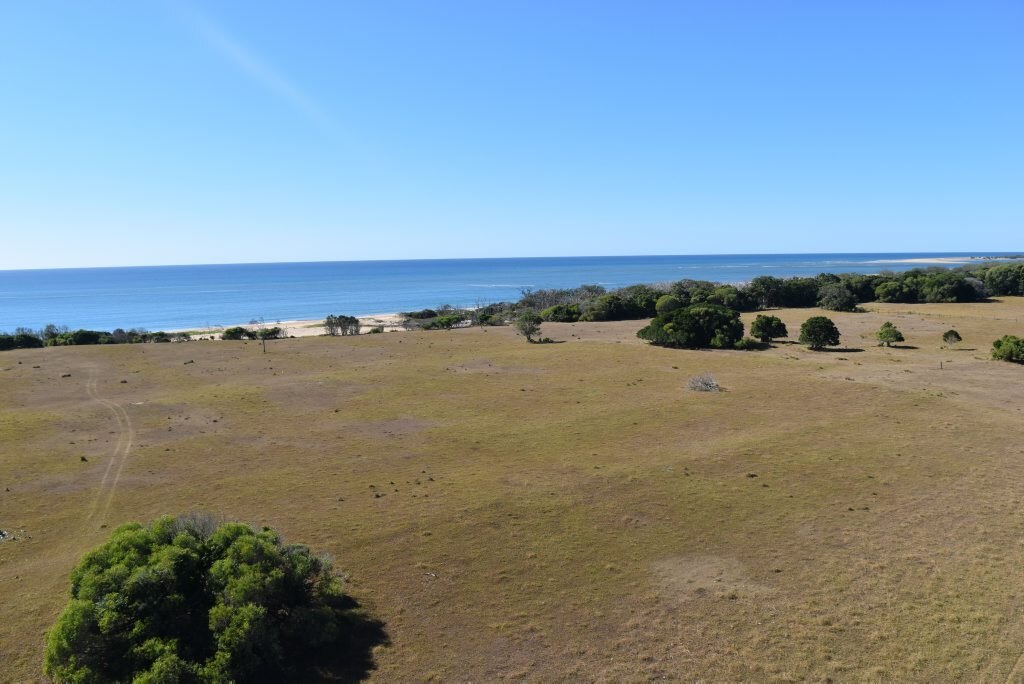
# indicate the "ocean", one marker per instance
pixel 182 297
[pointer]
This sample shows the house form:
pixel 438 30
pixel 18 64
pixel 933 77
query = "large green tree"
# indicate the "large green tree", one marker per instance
pixel 186 600
pixel 818 332
pixel 888 334
pixel 765 328
pixel 700 325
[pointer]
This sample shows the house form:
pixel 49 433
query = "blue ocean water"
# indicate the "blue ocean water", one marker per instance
pixel 176 297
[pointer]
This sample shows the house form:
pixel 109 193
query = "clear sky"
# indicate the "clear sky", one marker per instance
pixel 170 132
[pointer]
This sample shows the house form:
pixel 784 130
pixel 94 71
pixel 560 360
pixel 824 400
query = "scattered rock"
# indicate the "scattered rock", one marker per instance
pixel 83 459
pixel 66 375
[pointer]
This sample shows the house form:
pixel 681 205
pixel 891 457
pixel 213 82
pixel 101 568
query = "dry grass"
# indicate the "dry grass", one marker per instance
pixel 566 511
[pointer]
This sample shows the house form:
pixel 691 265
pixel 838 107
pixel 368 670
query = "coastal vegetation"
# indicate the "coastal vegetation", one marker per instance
pixel 951 338
pixel 187 599
pixel 818 332
pixel 593 303
pixel 888 334
pixel 767 328
pixel 1008 348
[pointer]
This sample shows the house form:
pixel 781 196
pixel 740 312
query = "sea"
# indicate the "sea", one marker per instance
pixel 205 296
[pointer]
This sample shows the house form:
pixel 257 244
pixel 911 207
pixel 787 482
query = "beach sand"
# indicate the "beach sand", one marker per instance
pixel 307 328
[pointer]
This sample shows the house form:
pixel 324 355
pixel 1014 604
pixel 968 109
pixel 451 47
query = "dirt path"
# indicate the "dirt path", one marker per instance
pixel 126 435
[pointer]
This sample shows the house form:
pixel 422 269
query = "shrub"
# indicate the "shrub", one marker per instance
pixel 236 333
pixel 951 338
pixel 748 344
pixel 20 341
pixel 705 382
pixel 667 304
pixel 1008 348
pixel 819 332
pixel 765 328
pixel 187 600
pixel 422 314
pixel 377 329
pixel 561 313
pixel 700 325
pixel 527 324
pixel 888 334
pixel 836 297
pixel 445 322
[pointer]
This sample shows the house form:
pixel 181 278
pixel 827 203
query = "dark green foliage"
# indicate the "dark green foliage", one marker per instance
pixel 731 297
pixel 608 307
pixel 21 340
pixel 561 313
pixel 700 325
pixel 765 291
pixel 951 338
pixel 1008 348
pixel 186 600
pixel 527 323
pixel 236 333
pixel 268 333
pixel 888 334
pixel 835 296
pixel 766 328
pixel 341 325
pixel 445 322
pixel 640 301
pixel 819 332
pixel 667 304
pixel 421 315
pixel 1007 279
pixel 799 293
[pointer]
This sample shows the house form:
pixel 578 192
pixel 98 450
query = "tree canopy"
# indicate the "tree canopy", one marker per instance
pixel 888 334
pixel 818 332
pixel 188 600
pixel 700 325
pixel 765 328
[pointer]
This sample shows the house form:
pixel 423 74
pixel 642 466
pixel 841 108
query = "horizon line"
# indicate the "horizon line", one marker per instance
pixel 943 254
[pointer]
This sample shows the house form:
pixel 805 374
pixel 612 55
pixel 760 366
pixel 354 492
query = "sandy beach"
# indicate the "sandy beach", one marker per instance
pixel 307 328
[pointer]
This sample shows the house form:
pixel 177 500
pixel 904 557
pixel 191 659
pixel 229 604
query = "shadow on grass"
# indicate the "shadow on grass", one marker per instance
pixel 840 350
pixel 350 658
pixel 902 346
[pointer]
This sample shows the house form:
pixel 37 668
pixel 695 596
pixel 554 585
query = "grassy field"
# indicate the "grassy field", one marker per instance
pixel 564 511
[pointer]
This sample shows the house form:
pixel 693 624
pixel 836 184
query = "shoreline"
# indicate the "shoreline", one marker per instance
pixel 391 322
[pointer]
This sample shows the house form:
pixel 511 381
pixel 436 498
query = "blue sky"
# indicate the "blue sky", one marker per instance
pixel 172 132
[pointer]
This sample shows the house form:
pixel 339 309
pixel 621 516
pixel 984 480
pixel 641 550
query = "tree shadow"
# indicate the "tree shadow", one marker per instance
pixel 840 350
pixel 350 657
pixel 903 346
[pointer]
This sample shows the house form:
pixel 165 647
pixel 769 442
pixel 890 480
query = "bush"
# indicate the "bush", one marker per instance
pixel 700 325
pixel 888 334
pixel 561 313
pixel 527 324
pixel 765 328
pixel 836 297
pixel 819 332
pixel 422 314
pixel 667 304
pixel 1008 348
pixel 445 322
pixel 749 344
pixel 236 333
pixel 951 338
pixel 705 382
pixel 187 600
pixel 20 341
